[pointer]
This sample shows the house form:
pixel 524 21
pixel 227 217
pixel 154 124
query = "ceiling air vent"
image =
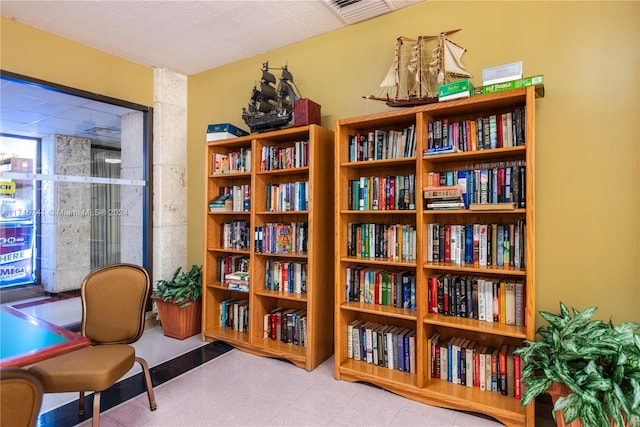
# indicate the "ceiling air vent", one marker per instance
pixel 352 11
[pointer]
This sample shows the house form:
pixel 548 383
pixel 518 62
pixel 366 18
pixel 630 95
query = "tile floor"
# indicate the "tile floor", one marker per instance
pixel 212 384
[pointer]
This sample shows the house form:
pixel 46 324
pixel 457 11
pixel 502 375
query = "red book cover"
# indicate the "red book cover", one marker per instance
pixel 447 243
pixel 392 192
pixel 503 369
pixel 517 371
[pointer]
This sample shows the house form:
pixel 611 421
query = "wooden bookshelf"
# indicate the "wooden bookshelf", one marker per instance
pixel 418 384
pixel 318 299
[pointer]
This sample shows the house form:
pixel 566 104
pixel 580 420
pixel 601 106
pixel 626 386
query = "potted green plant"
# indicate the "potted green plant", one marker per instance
pixel 596 363
pixel 179 302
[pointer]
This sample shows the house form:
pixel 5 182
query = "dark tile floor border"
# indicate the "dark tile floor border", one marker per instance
pixel 67 415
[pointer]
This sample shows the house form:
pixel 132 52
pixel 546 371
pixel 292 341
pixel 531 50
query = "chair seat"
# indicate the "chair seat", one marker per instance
pixel 94 368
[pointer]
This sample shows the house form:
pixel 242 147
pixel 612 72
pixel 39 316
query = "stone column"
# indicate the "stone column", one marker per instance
pixel 169 173
pixel 131 196
pixel 65 222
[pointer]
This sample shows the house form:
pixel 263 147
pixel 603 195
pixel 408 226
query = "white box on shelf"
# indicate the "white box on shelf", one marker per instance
pixel 216 132
pixel 502 73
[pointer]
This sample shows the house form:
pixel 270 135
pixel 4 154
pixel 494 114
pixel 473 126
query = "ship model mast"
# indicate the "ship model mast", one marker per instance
pixel 413 78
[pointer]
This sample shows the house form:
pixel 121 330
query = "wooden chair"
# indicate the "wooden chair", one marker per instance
pixel 113 308
pixel 20 397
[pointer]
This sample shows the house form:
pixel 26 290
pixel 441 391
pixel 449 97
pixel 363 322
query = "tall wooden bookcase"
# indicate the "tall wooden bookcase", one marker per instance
pixel 419 384
pixel 317 144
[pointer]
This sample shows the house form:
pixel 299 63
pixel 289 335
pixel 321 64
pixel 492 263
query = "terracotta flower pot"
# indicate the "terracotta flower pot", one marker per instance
pixel 555 391
pixel 179 322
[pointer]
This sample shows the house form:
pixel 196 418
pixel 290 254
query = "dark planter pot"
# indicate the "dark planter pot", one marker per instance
pixel 179 322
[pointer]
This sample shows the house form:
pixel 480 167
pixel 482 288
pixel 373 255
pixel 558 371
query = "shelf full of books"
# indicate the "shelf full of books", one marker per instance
pixel 268 258
pixel 434 294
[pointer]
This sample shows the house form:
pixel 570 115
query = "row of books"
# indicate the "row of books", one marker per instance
pixel 390 288
pixel 504 182
pixel 289 196
pixel 382 144
pixel 286 276
pixel 393 192
pixel 234 161
pixel 494 300
pixel 282 238
pixel 384 345
pixel 275 157
pixel 287 325
pixel 228 264
pixel 506 129
pixel 478 245
pixel 396 242
pixel 235 198
pixel 235 234
pixel 234 313
pixel 466 362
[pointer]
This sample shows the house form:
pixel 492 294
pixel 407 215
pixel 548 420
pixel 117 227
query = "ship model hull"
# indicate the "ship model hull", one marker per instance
pixel 406 102
pixel 263 122
pixel 270 107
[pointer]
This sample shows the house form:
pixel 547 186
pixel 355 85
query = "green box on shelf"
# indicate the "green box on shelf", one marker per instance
pixel 458 87
pixel 511 85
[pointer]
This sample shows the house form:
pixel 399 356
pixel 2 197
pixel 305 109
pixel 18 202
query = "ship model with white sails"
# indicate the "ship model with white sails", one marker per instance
pixel 270 107
pixel 418 70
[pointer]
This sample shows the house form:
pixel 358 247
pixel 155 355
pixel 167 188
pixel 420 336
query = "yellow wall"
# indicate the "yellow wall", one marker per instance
pixel 34 53
pixel 588 185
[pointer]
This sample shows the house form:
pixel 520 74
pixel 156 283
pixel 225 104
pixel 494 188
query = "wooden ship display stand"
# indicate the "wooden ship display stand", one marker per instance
pixel 372 318
pixel 279 302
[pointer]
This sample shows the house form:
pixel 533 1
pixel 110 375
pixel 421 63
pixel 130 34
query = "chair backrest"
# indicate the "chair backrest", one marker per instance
pixel 113 303
pixel 20 397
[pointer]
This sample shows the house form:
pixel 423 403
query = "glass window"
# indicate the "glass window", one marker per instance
pixel 80 197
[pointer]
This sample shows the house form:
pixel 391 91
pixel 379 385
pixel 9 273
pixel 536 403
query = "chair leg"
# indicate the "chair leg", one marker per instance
pixel 81 403
pixel 147 380
pixel 95 422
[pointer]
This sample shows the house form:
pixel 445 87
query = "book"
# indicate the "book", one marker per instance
pixel 510 372
pixel 502 370
pixel 517 376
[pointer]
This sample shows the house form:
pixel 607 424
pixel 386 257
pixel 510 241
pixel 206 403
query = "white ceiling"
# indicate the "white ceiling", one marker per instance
pixel 184 36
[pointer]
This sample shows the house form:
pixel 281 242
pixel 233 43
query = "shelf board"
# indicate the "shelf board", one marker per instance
pixel 379 211
pixel 229 251
pixel 511 271
pixel 285 172
pixel 281 295
pixel 231 175
pixel 378 163
pixel 493 328
pixel 228 335
pixel 378 261
pixel 383 310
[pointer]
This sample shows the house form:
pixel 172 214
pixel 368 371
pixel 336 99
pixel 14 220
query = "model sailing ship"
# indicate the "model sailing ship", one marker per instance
pixel 415 74
pixel 270 108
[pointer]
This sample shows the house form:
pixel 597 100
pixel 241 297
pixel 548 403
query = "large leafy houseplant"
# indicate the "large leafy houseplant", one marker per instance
pixel 184 288
pixel 599 364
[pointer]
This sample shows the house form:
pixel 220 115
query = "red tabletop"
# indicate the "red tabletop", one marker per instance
pixel 25 339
